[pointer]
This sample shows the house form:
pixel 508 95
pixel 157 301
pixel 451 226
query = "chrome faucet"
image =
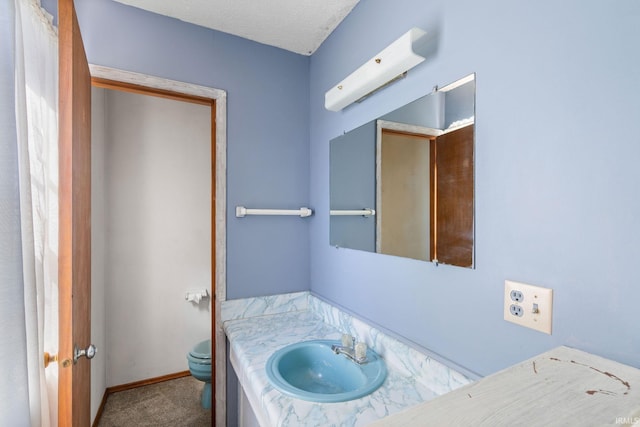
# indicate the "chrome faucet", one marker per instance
pixel 352 350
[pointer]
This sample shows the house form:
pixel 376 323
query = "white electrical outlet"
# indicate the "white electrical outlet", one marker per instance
pixel 529 306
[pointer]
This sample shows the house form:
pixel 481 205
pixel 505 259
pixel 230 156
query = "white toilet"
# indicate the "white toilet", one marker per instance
pixel 200 367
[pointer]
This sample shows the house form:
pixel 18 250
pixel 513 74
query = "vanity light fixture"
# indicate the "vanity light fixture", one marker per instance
pixel 384 68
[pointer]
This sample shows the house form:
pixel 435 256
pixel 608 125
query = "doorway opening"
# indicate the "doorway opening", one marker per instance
pixel 424 192
pixel 196 99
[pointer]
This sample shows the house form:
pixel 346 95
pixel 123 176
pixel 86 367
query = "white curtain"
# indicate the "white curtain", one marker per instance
pixel 30 151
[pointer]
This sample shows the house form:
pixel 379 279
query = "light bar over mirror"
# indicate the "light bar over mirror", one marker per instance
pixel 387 66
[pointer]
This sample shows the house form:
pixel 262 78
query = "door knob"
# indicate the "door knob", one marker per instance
pixel 88 352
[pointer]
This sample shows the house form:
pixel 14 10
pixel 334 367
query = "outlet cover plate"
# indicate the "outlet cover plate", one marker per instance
pixel 543 297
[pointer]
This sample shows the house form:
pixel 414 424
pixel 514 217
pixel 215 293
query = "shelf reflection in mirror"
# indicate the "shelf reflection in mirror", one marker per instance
pixel 414 167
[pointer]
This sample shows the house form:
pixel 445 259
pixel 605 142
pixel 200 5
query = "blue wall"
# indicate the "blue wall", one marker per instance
pixel 268 123
pixel 557 144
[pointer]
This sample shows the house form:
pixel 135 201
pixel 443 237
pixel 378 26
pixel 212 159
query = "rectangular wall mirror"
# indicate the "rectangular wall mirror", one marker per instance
pixel 403 184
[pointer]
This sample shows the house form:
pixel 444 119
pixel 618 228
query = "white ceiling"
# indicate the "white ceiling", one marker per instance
pixel 296 25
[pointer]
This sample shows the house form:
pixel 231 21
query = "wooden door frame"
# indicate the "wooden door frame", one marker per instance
pixel 112 78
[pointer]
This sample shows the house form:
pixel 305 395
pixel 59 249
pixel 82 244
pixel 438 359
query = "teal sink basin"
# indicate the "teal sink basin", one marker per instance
pixel 310 370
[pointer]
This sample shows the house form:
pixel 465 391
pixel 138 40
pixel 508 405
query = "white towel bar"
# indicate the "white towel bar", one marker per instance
pixel 303 212
pixel 360 212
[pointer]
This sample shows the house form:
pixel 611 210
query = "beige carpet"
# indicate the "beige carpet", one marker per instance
pixel 170 403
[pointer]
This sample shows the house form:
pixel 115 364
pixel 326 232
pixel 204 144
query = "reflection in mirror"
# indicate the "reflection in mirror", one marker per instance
pixel 403 184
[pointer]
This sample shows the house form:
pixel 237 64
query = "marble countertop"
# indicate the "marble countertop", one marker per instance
pixel 253 340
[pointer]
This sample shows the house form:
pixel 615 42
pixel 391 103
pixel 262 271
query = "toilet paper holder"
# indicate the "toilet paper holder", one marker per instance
pixel 197 296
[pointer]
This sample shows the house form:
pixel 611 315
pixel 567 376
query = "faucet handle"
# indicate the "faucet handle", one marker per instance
pixel 361 352
pixel 348 341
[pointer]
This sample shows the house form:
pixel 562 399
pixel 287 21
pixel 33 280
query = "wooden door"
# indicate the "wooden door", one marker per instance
pixel 74 275
pixel 452 197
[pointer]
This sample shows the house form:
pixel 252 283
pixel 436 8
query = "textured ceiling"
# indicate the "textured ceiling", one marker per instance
pixel 296 25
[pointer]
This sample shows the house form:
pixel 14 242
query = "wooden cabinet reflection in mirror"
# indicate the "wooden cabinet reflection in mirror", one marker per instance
pixel 452 197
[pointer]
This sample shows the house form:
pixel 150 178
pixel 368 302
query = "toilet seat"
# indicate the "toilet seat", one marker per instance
pixel 201 353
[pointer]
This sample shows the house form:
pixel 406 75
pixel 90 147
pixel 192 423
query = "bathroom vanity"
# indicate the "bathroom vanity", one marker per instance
pixel 258 327
pixel 561 387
